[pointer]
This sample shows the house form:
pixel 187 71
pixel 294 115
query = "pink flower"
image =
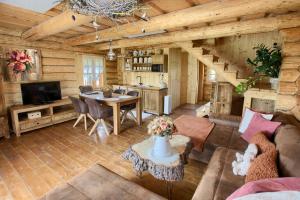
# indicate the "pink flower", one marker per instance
pixel 11 64
pixel 163 126
pixel 19 67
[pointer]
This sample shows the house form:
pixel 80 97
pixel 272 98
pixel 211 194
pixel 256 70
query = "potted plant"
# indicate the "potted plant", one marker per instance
pixel 19 64
pixel 161 128
pixel 267 63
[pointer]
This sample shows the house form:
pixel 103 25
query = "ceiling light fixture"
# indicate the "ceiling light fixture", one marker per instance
pixel 111 55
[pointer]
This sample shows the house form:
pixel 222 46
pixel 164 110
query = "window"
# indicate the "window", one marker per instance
pixel 93 71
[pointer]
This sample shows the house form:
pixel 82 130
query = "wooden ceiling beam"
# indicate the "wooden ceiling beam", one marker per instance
pixel 217 10
pixel 156 7
pixel 215 31
pixel 57 24
pixel 191 2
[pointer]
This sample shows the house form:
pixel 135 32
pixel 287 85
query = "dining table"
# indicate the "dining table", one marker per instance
pixel 116 101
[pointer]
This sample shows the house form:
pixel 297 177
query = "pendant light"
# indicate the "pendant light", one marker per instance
pixel 111 55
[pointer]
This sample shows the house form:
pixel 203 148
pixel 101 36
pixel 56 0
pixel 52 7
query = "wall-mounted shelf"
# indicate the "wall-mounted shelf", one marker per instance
pixel 157 63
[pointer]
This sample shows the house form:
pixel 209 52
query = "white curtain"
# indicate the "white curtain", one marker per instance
pixel 93 69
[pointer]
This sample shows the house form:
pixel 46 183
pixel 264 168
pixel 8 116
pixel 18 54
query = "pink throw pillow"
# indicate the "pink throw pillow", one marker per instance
pixel 260 124
pixel 267 185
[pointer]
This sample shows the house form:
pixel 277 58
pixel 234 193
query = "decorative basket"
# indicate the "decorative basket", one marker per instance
pixel 107 94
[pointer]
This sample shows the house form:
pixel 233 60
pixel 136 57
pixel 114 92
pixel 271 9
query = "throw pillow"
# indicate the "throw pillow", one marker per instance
pixel 262 142
pixel 267 185
pixel 260 124
pixel 247 117
pixel 263 167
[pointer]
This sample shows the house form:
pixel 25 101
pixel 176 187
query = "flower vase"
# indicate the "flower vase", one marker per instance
pixel 18 77
pixel 274 83
pixel 161 147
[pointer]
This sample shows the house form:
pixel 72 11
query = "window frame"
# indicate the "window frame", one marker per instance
pixel 102 78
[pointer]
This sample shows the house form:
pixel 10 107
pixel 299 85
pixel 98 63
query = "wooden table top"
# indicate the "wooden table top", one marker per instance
pixel 116 98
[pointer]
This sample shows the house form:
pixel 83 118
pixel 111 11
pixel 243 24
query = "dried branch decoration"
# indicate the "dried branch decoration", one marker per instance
pixel 111 9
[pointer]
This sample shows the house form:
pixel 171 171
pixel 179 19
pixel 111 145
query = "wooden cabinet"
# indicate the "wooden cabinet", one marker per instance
pixel 158 59
pixel 221 98
pixel 153 100
pixel 152 97
pixel 51 114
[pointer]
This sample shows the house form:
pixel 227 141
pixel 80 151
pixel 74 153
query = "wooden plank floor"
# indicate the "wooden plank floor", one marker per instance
pixel 40 160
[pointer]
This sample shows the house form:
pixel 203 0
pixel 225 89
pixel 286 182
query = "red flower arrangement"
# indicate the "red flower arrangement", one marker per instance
pixel 20 61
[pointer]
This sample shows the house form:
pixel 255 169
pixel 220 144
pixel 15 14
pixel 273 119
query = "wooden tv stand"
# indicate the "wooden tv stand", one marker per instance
pixel 53 113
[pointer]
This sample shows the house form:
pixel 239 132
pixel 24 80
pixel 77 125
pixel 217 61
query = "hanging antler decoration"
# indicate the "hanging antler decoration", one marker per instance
pixel 112 9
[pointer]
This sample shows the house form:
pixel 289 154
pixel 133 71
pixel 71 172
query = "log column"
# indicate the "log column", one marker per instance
pixel 288 99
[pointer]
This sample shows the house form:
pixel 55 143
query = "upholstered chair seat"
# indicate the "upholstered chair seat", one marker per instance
pixel 119 91
pixel 82 109
pixel 99 112
pixel 128 108
pixel 85 89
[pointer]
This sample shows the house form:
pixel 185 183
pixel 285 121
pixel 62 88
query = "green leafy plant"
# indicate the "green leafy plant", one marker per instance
pixel 267 63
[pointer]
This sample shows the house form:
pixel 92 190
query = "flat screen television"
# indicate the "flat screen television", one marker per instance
pixel 40 92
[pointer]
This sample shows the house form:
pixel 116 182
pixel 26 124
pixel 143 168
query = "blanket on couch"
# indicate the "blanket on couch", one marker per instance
pixel 197 128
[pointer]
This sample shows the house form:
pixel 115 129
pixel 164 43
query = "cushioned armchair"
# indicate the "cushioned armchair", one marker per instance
pixel 119 91
pixel 99 112
pixel 85 88
pixel 128 108
pixel 82 109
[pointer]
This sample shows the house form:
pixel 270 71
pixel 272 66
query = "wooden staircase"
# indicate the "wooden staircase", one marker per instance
pixel 209 57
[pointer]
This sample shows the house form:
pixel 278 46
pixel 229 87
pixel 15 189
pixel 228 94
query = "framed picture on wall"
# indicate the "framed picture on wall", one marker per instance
pixel 20 64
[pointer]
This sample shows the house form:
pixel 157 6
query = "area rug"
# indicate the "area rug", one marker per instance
pixel 197 128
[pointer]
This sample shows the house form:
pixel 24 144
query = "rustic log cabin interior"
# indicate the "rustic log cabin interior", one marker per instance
pixel 149 99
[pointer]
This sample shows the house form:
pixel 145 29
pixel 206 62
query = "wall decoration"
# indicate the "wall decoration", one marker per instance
pixel 21 65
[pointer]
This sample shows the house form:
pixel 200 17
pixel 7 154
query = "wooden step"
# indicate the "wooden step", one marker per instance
pixel 212 58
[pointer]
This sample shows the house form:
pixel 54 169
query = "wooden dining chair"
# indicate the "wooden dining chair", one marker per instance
pixel 119 91
pixel 128 108
pixel 82 109
pixel 85 88
pixel 99 112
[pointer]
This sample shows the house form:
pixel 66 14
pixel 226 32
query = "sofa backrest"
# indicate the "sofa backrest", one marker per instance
pixel 287 140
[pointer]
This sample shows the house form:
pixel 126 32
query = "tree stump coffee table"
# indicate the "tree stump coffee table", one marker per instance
pixel 168 169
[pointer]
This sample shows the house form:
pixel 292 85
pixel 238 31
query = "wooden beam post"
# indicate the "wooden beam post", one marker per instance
pixel 57 24
pixel 216 10
pixel 216 31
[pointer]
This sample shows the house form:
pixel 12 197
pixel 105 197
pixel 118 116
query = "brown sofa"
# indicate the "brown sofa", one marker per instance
pixel 218 181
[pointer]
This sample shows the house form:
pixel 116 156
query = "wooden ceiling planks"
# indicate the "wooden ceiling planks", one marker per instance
pixel 21 19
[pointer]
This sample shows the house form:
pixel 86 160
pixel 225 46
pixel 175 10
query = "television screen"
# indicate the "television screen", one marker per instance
pixel 40 92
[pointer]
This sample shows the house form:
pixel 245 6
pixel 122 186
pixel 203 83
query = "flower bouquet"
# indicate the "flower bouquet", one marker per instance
pixel 19 62
pixel 161 128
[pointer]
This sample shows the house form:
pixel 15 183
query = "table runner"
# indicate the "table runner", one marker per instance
pixel 197 128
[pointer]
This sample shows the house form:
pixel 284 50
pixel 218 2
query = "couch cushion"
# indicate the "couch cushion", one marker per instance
pixel 237 142
pixel 286 119
pixel 221 136
pixel 99 183
pixel 287 142
pixel 218 181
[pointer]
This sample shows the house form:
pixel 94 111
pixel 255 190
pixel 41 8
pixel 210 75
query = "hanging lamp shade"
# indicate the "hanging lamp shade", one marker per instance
pixel 111 55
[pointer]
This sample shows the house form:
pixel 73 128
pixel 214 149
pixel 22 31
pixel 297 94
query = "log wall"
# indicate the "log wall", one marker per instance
pixel 59 62
pixel 288 99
